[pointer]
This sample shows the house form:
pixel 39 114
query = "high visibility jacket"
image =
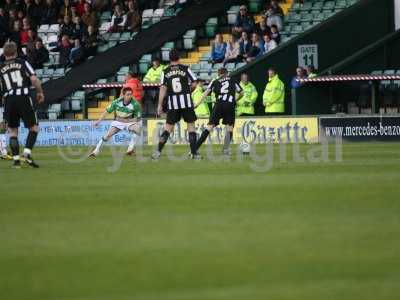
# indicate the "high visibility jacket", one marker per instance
pixel 202 110
pixel 154 75
pixel 137 88
pixel 274 96
pixel 245 105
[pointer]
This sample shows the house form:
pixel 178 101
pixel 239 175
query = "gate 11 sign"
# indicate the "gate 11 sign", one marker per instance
pixel 308 55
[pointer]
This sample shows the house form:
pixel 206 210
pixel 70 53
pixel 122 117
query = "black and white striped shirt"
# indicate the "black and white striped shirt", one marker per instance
pixel 15 77
pixel 178 79
pixel 225 89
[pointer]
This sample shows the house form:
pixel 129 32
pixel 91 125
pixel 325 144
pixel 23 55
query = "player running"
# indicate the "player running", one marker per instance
pixel 128 117
pixel 176 82
pixel 16 78
pixel 225 89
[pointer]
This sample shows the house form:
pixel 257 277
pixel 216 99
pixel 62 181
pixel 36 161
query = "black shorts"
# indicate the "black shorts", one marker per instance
pixel 17 108
pixel 224 111
pixel 175 115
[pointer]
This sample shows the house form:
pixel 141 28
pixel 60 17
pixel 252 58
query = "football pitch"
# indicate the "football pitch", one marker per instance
pixel 102 229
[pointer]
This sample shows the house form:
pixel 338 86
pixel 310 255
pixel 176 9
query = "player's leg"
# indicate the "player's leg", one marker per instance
pixel 134 130
pixel 173 116
pixel 30 121
pixel 227 139
pixel 214 121
pixel 12 117
pixel 113 130
pixel 189 116
pixel 229 122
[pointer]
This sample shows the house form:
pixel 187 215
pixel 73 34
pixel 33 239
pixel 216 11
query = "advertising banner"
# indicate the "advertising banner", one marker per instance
pixel 379 128
pixel 79 133
pixel 250 130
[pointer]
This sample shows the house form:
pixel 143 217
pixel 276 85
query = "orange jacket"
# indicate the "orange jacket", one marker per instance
pixel 137 88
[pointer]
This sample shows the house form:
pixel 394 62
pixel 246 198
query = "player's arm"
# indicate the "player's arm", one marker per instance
pixel 239 91
pixel 205 94
pixel 108 110
pixel 39 90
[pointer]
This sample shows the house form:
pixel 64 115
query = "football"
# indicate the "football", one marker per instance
pixel 244 148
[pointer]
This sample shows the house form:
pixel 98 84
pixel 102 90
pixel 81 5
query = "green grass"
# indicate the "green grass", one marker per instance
pixel 202 230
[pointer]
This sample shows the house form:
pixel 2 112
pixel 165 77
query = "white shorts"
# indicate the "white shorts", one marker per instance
pixel 124 126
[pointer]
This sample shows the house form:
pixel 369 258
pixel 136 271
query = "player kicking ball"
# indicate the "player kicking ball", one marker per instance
pixel 128 117
pixel 225 89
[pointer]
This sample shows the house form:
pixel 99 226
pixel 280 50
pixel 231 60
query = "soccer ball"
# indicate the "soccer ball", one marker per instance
pixel 244 148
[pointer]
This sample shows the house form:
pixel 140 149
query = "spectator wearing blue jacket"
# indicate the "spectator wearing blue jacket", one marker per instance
pixel 245 45
pixel 256 48
pixel 218 50
pixel 300 73
pixel 244 21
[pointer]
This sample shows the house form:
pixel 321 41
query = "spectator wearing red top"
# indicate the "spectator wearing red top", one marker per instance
pixel 132 81
pixel 80 7
pixel 24 37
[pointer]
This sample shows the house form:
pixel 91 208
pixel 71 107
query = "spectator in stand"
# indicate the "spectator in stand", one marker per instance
pixel 12 17
pixel 244 21
pixel 77 54
pixel 274 15
pixel 275 35
pixel 64 47
pixel 118 19
pixel 15 33
pixel 245 46
pixel 50 12
pixel 90 17
pixel 269 44
pixel 261 28
pixel 4 27
pixel 218 50
pixel 153 75
pixel 256 48
pixel 39 55
pixel 132 81
pixel 245 105
pixel 133 17
pixel 300 73
pixel 91 41
pixel 24 37
pixel 311 72
pixel 66 9
pixel 232 54
pixel 27 8
pixel 37 12
pixel 274 94
pixel 80 7
pixel 66 28
pixel 10 5
pixel 78 29
pixel 32 36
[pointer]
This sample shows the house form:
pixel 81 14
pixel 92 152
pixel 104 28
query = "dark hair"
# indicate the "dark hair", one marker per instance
pixel 133 74
pixel 274 26
pixel 174 55
pixel 222 71
pixel 126 89
pixel 272 69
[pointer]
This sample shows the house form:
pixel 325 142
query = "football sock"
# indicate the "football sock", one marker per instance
pixel 202 138
pixel 30 141
pixel 132 142
pixel 163 140
pixel 192 142
pixel 100 143
pixel 227 140
pixel 14 145
pixel 3 144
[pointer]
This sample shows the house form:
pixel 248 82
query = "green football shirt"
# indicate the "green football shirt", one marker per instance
pixel 125 111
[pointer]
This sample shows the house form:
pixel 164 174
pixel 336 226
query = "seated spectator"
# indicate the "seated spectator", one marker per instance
pixel 77 54
pixel 36 13
pixel 78 29
pixel 245 46
pixel 153 75
pixel 67 27
pixel 244 21
pixel 91 41
pixel 39 55
pixel 90 17
pixel 256 48
pixel 133 18
pixel 4 27
pixel 80 7
pixel 66 9
pixel 24 37
pixel 261 28
pixel 10 5
pixel 118 19
pixel 12 17
pixel 275 35
pixel 269 44
pixel 132 81
pixel 15 33
pixel 275 15
pixel 218 50
pixel 64 47
pixel 300 73
pixel 311 72
pixel 232 51
pixel 50 12
pixel 32 36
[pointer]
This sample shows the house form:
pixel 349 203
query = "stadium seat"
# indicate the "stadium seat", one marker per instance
pixel 232 13
pixel 76 105
pixel 254 5
pixel 43 29
pixel 165 50
pixel 211 27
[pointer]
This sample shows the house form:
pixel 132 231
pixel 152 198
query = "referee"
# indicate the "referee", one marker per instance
pixel 176 81
pixel 16 78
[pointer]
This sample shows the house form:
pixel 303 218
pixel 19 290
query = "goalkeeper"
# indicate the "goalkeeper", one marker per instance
pixel 128 117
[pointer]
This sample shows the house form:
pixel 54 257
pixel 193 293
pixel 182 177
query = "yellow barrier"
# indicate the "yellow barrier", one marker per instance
pixel 250 130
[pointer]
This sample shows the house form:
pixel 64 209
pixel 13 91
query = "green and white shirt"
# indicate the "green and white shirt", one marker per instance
pixel 131 110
